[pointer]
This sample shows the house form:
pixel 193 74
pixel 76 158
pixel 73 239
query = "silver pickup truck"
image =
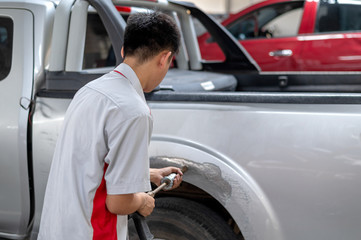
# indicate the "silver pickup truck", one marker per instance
pixel 262 165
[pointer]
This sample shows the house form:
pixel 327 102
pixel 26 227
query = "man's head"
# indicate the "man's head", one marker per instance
pixel 147 34
pixel 150 41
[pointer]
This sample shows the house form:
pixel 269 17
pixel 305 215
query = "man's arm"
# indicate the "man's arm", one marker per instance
pixel 125 204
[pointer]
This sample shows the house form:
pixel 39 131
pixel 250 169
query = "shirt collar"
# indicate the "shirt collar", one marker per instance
pixel 129 74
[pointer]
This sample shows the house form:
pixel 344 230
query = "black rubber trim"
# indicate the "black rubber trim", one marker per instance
pixel 68 94
pixel 257 97
pixel 68 81
pixel 310 82
pixel 237 97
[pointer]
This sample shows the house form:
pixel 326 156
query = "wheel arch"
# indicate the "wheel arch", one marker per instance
pixel 224 180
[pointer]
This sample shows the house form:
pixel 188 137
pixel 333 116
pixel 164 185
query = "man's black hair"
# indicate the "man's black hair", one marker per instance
pixel 147 34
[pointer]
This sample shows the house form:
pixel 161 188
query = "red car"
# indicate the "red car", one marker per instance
pixel 292 45
pixel 297 37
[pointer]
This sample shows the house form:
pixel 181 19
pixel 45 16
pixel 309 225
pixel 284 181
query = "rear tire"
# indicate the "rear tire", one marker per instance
pixel 182 219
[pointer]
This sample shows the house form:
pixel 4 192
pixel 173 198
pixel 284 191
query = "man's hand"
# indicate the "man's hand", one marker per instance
pixel 148 205
pixel 156 175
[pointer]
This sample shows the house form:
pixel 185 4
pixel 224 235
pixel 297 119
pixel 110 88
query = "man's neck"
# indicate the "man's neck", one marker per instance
pixel 139 69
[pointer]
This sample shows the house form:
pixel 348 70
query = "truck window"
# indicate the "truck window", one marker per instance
pixel 337 16
pixel 277 20
pixel 6 46
pixel 98 51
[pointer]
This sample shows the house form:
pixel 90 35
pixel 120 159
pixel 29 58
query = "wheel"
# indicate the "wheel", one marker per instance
pixel 181 219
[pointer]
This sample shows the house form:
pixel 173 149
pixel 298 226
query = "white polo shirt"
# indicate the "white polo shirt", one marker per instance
pixel 102 149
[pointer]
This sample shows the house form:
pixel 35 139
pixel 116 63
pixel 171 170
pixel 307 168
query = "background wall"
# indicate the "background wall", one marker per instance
pixel 223 6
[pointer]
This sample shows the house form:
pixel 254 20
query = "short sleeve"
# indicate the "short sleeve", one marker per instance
pixel 128 169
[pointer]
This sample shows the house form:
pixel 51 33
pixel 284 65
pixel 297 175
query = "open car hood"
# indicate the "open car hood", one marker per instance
pixel 237 58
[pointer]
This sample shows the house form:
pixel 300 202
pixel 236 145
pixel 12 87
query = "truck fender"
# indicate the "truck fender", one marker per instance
pixel 222 178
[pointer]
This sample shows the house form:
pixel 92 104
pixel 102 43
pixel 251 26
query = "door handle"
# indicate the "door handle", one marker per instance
pixel 281 53
pixel 25 103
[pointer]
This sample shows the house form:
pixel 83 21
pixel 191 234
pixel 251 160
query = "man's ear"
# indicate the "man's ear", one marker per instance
pixel 122 52
pixel 164 58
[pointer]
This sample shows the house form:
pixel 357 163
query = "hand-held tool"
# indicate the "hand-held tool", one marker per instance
pixel 167 182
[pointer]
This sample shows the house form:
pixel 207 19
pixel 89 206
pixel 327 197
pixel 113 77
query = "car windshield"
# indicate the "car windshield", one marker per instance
pixel 269 21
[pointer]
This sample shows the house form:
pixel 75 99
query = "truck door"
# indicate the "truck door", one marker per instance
pixel 16 76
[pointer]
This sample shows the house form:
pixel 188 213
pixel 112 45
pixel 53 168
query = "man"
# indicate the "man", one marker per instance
pixel 100 168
